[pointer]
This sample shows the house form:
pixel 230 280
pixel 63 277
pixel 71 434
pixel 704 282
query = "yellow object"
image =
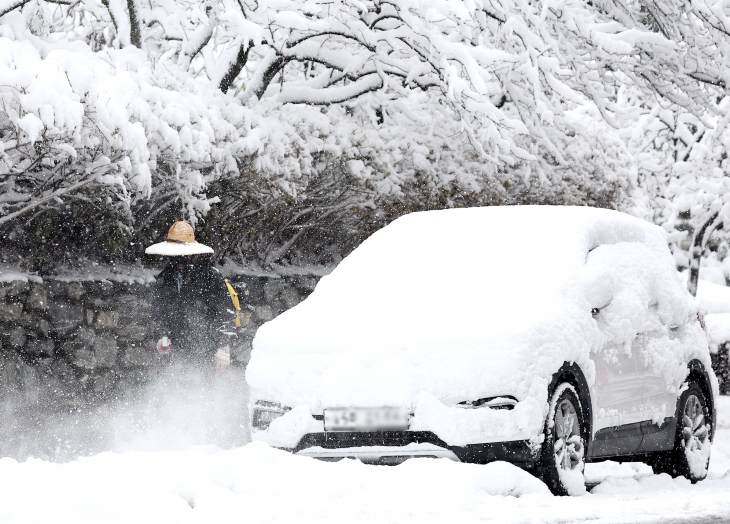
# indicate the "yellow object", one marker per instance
pixel 181 232
pixel 234 299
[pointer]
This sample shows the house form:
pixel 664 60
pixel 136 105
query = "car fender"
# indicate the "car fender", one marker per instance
pixel 570 372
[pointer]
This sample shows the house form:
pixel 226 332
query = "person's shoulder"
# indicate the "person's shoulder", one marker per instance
pixel 211 273
pixel 214 281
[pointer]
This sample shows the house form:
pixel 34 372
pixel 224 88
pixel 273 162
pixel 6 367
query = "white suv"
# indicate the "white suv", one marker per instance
pixel 544 336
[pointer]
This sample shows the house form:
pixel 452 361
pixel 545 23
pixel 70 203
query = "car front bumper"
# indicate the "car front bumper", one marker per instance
pixel 394 447
pixel 381 455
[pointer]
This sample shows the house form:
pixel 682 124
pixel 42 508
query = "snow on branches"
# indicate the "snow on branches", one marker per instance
pixel 162 98
pixel 684 175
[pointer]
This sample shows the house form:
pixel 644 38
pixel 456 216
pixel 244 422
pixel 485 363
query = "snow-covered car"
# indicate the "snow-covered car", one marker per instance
pixel 544 336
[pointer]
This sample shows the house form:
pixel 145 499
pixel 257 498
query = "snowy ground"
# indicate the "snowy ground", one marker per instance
pixel 255 483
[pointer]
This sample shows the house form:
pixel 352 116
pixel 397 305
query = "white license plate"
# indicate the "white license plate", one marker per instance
pixel 366 419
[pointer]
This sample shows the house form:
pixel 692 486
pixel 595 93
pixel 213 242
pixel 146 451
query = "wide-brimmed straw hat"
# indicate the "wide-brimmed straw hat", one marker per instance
pixel 180 241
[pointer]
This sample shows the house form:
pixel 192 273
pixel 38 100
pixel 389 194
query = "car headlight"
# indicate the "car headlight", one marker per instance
pixel 506 402
pixel 264 413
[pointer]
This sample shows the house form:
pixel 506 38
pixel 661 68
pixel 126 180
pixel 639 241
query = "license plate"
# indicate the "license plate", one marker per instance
pixel 366 419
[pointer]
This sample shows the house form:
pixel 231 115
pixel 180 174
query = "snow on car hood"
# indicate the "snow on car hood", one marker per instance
pixel 464 304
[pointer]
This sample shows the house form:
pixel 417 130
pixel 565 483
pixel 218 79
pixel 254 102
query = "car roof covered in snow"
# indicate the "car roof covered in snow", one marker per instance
pixel 450 283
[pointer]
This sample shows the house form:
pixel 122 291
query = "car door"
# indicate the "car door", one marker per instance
pixel 618 395
pixel 659 400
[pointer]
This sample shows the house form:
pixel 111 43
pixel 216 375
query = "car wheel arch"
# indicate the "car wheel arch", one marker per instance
pixel 571 373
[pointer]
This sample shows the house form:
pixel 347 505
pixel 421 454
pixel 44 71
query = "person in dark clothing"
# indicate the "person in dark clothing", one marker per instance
pixel 191 305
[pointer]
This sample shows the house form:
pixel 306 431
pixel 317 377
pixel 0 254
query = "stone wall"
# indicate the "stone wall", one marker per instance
pixel 68 345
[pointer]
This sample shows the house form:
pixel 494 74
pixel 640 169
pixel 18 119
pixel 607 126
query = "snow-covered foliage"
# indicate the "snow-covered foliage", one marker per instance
pixel 683 171
pixel 449 306
pixel 162 108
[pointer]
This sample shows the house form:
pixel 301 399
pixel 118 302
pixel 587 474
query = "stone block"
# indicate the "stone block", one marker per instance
pixel 76 290
pixel 36 327
pixel 60 368
pixel 37 298
pixel 101 288
pixel 264 313
pixel 103 384
pixel 40 348
pixel 272 288
pixel 278 307
pixel 16 289
pixel 82 358
pixel 131 288
pixel 65 316
pixel 290 297
pixel 132 332
pixel 84 338
pixel 100 303
pixel 106 320
pixel 43 328
pixel 14 337
pixel 105 351
pixel 133 308
pixel 138 355
pixel 306 283
pixel 20 385
pixel 62 384
pixel 10 311
pixel 56 289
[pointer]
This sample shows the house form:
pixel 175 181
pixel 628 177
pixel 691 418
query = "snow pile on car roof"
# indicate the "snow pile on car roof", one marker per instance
pixel 466 303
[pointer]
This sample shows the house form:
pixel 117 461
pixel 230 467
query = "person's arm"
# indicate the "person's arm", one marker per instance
pixel 161 313
pixel 222 316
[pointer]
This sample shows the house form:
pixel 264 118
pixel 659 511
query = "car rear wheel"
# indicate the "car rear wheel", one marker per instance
pixel 690 457
pixel 562 456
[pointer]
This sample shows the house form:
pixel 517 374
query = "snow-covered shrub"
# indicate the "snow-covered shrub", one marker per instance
pixel 165 108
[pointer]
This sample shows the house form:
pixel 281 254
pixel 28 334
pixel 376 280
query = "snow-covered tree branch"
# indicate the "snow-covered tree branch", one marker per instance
pixel 477 102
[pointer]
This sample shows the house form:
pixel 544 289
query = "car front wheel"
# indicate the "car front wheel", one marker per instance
pixel 690 457
pixel 562 456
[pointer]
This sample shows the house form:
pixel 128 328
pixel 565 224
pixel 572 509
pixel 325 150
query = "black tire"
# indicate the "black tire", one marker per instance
pixel 562 456
pixel 690 457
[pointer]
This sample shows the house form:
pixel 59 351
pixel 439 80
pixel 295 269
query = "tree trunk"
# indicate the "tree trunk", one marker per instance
pixel 135 31
pixel 111 14
pixel 702 235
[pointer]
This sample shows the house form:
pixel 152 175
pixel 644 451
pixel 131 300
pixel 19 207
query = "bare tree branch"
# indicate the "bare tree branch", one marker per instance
pixel 36 203
pixel 135 30
pixel 236 67
pixel 111 14
pixel 274 67
pixel 11 7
